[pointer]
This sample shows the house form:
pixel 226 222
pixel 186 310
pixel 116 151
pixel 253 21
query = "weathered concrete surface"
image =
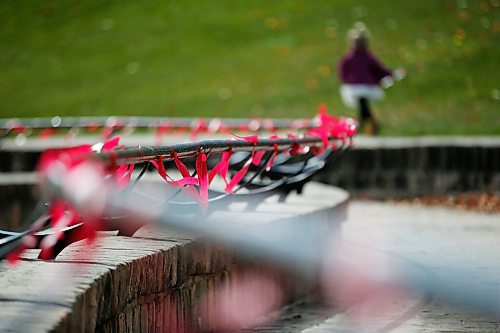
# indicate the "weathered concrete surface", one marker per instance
pixel 149 282
pixel 441 239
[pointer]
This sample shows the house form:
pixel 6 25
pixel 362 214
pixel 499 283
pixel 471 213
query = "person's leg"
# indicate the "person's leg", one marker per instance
pixel 364 112
pixel 366 115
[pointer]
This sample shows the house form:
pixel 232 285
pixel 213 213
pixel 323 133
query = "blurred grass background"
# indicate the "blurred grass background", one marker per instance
pixel 249 59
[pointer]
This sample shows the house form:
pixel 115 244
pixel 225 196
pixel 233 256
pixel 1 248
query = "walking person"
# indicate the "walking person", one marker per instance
pixel 362 76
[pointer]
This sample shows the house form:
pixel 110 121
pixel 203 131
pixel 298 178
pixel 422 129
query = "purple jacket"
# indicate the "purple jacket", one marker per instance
pixel 360 66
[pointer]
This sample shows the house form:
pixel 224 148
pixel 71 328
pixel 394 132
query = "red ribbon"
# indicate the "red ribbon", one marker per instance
pixel 256 159
pixel 199 126
pixel 62 213
pixel 46 133
pixel 275 153
pixel 238 177
pixel 160 167
pixel 202 171
pixel 123 174
pixel 221 168
pixel 160 132
pixel 111 144
pixel 187 179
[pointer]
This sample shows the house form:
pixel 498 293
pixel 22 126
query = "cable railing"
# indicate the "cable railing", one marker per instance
pixel 247 167
pixel 46 127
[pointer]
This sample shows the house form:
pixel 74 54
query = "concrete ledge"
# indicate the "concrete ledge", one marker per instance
pixel 402 167
pixel 149 282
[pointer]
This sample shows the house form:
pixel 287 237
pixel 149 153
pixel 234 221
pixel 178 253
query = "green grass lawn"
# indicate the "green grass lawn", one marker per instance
pixel 249 58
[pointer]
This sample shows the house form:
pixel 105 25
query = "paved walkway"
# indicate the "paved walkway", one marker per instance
pixel 442 240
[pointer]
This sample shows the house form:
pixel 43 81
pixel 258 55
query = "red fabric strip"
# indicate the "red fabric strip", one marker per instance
pixel 111 144
pixel 160 167
pixel 238 177
pixel 181 166
pixel 185 181
pixel 273 157
pixel 257 157
pixel 123 175
pixel 222 167
pixel 190 190
pixel 56 211
pixel 160 132
pixel 201 170
pixel 46 133
pixel 199 126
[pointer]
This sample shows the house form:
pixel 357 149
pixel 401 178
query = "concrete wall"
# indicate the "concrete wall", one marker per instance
pixel 398 167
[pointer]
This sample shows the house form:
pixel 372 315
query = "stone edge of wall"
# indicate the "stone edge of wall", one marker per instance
pixel 161 277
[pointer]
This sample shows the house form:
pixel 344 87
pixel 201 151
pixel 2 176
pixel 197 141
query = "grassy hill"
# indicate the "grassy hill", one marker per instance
pixel 249 58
